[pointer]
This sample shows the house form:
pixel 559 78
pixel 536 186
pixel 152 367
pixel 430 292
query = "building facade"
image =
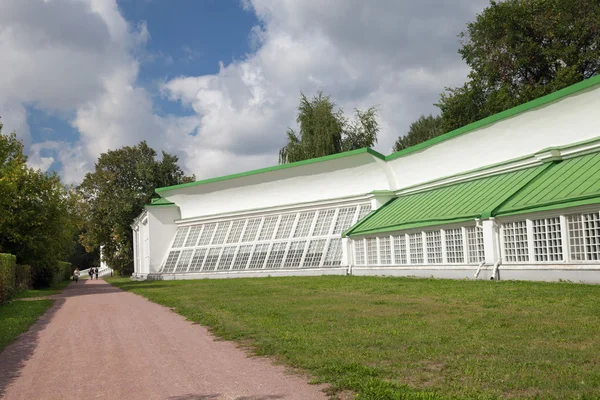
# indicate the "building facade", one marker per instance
pixel 513 196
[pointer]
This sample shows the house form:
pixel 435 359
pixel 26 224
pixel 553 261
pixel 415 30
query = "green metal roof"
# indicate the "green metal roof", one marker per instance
pixel 458 202
pixel 160 202
pixel 575 180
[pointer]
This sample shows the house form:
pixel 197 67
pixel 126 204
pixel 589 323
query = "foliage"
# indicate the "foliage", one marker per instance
pixel 8 264
pixel 17 317
pixel 324 131
pixel 401 338
pixel 47 291
pixel 116 192
pixel 519 50
pixel 36 210
pixel 421 130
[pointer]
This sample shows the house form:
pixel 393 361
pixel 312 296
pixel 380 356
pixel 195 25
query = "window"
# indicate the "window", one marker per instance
pixel 584 236
pixel 385 251
pixel 314 254
pixel 257 259
pixel 359 252
pixel 400 249
pixel 547 240
pixel 294 255
pixel 226 258
pixel 171 261
pixel 180 237
pixel 251 230
pixel 193 236
pixel 454 246
pixel 242 257
pixel 515 241
pixel 285 226
pixel 268 228
pixel 304 224
pixel 184 260
pixel 324 220
pixel 416 248
pixel 434 247
pixel 207 234
pixel 372 251
pixel 344 219
pixel 363 211
pixel 196 264
pixel 334 253
pixel 236 231
pixel 276 255
pixel 476 251
pixel 211 259
pixel 221 232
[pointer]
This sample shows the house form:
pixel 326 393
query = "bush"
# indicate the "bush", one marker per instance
pixel 8 264
pixel 65 272
pixel 47 274
pixel 22 277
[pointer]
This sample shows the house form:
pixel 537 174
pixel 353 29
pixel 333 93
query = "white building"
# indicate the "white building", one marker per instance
pixel 513 196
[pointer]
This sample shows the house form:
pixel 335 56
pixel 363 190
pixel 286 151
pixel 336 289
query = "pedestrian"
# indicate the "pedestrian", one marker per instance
pixel 96 271
pixel 91 273
pixel 76 275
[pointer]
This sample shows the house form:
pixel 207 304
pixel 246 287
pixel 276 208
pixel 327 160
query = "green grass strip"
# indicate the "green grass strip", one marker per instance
pixel 56 289
pixel 401 338
pixel 17 316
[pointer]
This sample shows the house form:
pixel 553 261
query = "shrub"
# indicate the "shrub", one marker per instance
pixel 8 264
pixel 65 272
pixel 22 277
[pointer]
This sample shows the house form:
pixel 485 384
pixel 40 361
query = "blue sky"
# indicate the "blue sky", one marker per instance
pixel 215 82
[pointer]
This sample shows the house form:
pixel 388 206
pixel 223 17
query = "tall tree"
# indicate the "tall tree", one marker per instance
pixel 323 130
pixel 519 50
pixel 423 129
pixel 36 210
pixel 116 192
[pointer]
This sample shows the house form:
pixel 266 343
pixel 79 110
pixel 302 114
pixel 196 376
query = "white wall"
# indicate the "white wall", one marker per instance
pixel 162 228
pixel 347 176
pixel 569 120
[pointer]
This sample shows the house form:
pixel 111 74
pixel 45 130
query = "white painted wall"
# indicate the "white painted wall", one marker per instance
pixel 342 177
pixel 162 228
pixel 566 121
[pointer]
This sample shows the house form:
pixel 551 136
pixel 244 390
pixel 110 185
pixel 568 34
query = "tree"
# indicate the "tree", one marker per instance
pixel 519 50
pixel 116 192
pixel 36 210
pixel 423 129
pixel 324 131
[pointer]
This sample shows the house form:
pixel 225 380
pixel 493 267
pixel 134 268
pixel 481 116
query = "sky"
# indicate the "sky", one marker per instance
pixel 216 82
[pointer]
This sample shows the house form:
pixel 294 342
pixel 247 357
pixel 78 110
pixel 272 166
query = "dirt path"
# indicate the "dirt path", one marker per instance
pixel 98 342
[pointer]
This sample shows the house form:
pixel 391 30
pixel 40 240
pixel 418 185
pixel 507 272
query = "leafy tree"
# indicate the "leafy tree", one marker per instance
pixel 116 192
pixel 36 210
pixel 421 130
pixel 324 131
pixel 519 50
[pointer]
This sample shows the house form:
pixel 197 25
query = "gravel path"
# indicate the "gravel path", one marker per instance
pixel 98 342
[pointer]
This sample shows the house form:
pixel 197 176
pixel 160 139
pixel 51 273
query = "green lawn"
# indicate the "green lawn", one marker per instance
pixel 56 289
pixel 395 338
pixel 17 316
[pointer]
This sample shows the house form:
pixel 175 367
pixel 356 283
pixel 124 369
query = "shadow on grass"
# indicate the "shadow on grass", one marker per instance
pixel 17 353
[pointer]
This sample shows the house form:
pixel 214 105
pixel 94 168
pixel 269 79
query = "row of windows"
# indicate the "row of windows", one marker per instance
pixel 293 240
pixel 293 254
pixel 549 239
pixel 462 245
pixel 325 222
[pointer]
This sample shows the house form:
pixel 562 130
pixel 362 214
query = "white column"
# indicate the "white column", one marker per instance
pixel 489 242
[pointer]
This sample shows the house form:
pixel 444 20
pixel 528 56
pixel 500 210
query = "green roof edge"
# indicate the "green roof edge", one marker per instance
pixel 559 94
pixel 275 168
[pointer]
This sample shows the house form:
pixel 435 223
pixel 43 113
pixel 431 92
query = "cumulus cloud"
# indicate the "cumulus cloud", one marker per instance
pixel 81 58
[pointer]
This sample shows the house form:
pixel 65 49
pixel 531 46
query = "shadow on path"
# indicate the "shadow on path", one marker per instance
pixel 14 356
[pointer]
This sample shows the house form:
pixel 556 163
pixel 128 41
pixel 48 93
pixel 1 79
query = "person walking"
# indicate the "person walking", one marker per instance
pixel 76 275
pixel 91 273
pixel 96 272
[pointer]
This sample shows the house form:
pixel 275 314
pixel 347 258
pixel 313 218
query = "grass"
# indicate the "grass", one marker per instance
pixel 402 338
pixel 56 289
pixel 17 316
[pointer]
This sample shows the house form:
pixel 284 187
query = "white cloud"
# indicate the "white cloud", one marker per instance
pixel 82 57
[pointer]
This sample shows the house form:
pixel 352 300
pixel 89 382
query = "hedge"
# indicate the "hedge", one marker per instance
pixel 8 265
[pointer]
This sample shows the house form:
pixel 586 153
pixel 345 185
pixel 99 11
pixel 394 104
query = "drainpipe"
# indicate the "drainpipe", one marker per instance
pixel 481 264
pixel 495 273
